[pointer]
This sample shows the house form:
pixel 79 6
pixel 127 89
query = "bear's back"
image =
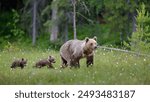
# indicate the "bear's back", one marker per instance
pixel 72 47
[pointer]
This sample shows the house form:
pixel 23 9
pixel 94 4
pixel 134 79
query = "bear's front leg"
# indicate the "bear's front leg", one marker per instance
pixel 89 60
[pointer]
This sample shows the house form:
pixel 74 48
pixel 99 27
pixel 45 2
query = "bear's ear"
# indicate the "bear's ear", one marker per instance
pixel 86 39
pixel 22 59
pixel 95 38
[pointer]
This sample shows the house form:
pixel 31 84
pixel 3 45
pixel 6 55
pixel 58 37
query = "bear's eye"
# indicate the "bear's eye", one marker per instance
pixel 91 44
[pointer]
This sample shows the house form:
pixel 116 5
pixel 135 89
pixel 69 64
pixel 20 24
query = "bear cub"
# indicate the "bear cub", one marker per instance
pixel 45 62
pixel 19 63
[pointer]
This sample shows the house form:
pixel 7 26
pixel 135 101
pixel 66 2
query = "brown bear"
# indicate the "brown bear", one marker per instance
pixel 45 62
pixel 73 50
pixel 19 63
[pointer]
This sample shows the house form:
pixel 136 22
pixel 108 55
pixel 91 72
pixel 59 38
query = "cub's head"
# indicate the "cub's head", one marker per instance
pixel 91 43
pixel 51 59
pixel 23 61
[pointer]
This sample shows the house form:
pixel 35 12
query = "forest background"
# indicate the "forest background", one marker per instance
pixel 47 24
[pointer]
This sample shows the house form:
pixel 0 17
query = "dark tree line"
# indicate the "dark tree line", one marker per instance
pixel 56 17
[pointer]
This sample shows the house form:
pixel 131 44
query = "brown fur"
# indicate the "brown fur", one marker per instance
pixel 73 50
pixel 19 63
pixel 46 62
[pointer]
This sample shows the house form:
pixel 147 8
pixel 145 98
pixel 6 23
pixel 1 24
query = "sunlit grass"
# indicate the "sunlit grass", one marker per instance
pixel 109 68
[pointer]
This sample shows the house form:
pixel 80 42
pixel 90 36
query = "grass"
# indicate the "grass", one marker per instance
pixel 109 68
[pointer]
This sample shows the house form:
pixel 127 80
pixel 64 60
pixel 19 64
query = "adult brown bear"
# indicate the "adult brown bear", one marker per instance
pixel 73 50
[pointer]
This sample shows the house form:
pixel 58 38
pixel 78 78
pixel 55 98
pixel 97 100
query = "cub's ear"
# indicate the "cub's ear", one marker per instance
pixel 95 38
pixel 49 57
pixel 22 59
pixel 86 39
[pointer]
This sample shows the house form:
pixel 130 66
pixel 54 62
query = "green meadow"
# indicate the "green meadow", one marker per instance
pixel 110 68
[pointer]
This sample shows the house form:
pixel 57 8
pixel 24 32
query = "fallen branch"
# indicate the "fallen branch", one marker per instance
pixel 125 51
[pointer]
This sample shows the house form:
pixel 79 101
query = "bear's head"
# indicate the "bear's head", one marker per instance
pixel 91 43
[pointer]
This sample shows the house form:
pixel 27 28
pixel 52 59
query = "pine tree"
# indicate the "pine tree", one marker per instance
pixel 140 39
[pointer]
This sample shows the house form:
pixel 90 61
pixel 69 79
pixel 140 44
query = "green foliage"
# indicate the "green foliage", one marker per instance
pixel 97 5
pixel 109 68
pixel 12 31
pixel 11 47
pixel 119 16
pixel 5 29
pixel 140 40
pixel 101 31
pixel 44 43
pixel 16 31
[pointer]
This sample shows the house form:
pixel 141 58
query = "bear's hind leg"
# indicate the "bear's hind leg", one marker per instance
pixel 75 63
pixel 78 64
pixel 64 62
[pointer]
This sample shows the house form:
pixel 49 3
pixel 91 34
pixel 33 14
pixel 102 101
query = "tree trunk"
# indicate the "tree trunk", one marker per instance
pixel 133 21
pixel 66 31
pixel 134 18
pixel 121 37
pixel 131 16
pixel 128 22
pixel 54 29
pixel 34 22
pixel 74 18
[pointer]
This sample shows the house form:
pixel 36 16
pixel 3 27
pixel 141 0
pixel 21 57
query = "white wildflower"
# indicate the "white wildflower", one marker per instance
pixel 120 74
pixel 74 75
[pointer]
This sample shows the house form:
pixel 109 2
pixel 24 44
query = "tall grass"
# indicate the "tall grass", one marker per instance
pixel 109 68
